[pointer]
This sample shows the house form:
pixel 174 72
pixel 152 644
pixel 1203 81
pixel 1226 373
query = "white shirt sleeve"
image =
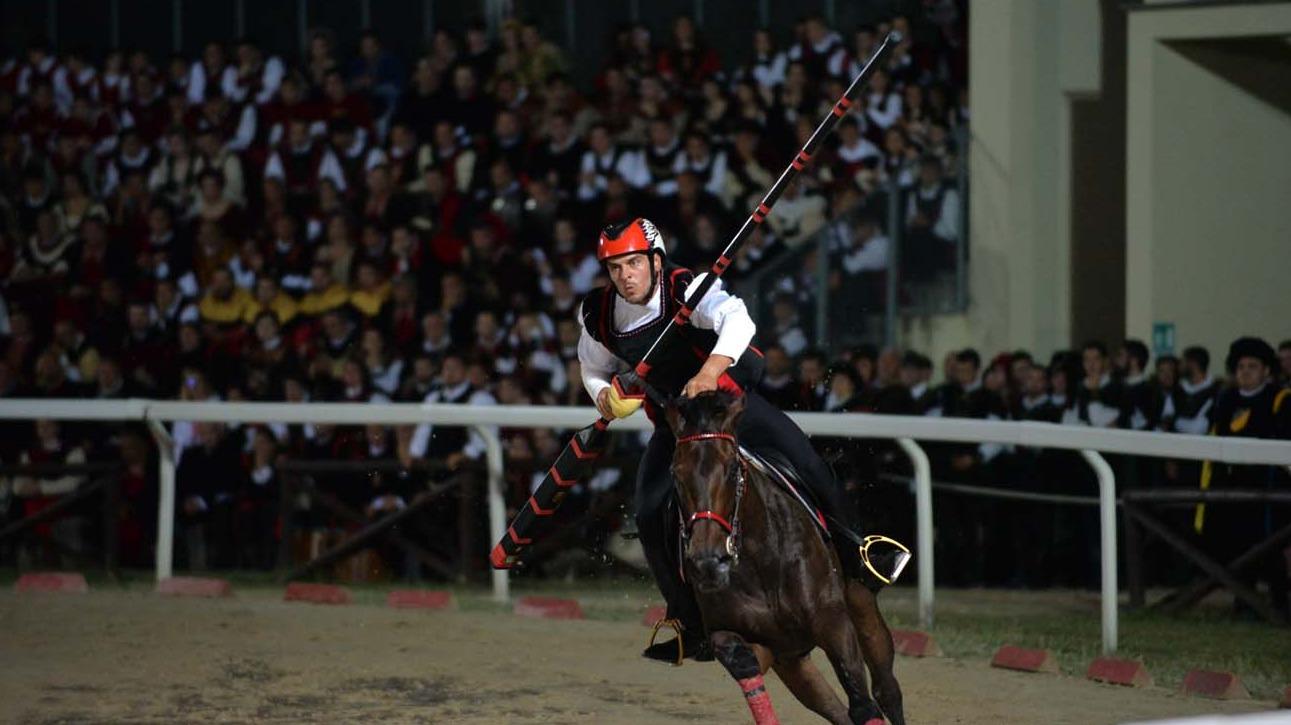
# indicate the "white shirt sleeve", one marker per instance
pixel 717 175
pixel 330 168
pixel 595 361
pixel 246 132
pixel 633 169
pixel 587 192
pixel 196 83
pixel 475 445
pixel 269 82
pixel 229 84
pixel 273 168
pixel 724 314
pixel 872 256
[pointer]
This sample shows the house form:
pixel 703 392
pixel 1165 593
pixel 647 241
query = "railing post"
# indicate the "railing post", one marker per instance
pixel 1107 530
pixel 165 500
pixel 923 527
pixel 497 505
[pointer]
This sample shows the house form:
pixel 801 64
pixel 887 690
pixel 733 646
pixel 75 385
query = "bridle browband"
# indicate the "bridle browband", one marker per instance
pixel 732 526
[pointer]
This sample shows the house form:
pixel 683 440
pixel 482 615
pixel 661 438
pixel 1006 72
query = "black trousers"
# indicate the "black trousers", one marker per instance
pixel 762 427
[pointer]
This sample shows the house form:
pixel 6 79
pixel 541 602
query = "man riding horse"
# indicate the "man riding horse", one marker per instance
pixel 620 322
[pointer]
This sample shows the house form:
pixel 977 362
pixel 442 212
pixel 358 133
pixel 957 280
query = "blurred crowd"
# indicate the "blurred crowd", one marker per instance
pixel 362 227
pixel 1248 394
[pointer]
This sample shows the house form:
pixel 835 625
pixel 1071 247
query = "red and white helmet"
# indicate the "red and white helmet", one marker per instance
pixel 638 235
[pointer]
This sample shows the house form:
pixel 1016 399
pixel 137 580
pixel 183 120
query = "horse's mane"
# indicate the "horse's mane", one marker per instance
pixel 703 411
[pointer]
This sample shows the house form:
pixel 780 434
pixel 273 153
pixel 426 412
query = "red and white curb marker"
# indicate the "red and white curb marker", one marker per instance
pixel 52 581
pixel 317 593
pixel 913 643
pixel 1025 660
pixel 1130 673
pixel 548 608
pixel 188 586
pixel 419 599
pixel 1215 685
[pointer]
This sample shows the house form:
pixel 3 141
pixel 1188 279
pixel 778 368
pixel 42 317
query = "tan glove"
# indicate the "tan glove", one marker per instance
pixel 614 405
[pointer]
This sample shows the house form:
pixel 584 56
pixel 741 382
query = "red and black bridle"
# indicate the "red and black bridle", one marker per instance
pixel 731 526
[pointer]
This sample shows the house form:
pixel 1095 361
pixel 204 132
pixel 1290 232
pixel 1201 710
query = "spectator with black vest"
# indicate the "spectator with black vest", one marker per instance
pixel 1141 405
pixel 1099 398
pixel 932 222
pixel 1188 407
pixel 1254 407
pixel 453 445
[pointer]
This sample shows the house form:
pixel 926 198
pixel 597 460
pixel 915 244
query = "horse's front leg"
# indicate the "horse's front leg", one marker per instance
pixel 812 689
pixel 876 646
pixel 747 663
pixel 840 643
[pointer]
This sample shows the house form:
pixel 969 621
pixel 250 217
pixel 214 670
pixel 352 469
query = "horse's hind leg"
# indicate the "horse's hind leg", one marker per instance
pixel 876 644
pixel 739 659
pixel 840 644
pixel 810 687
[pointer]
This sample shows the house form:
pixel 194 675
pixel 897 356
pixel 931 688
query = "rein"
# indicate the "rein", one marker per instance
pixel 731 527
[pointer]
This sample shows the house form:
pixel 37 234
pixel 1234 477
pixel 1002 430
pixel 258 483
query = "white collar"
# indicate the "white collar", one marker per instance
pixel 1255 392
pixel 1190 388
pixel 917 391
pixel 1135 379
pixel 629 316
pixel 453 392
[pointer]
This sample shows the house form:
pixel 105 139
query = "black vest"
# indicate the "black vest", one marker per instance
pixel 660 165
pixel 682 354
pixel 1188 405
pixel 930 208
pixel 449 439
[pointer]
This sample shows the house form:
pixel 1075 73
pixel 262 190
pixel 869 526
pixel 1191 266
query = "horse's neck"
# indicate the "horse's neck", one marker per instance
pixel 768 506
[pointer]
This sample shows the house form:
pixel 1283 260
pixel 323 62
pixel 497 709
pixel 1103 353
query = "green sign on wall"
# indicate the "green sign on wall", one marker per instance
pixel 1162 338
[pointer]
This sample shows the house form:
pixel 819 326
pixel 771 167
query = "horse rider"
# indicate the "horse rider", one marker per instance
pixel 620 322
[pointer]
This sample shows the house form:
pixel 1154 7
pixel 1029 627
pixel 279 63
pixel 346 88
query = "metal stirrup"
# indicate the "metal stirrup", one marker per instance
pixel 903 556
pixel 676 627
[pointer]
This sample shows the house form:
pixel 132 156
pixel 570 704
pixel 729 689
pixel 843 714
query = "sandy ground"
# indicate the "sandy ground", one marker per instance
pixel 136 657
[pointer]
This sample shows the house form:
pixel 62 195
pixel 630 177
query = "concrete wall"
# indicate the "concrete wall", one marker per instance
pixel 1209 173
pixel 1027 59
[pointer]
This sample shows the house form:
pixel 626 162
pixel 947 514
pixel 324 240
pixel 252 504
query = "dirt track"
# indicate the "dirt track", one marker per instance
pixel 136 657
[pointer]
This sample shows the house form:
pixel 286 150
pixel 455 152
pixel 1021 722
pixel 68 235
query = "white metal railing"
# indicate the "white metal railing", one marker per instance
pixel 904 429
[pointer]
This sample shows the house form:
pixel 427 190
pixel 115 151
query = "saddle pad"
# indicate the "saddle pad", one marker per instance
pixel 778 469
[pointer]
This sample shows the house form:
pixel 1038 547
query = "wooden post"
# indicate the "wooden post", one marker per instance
pixel 1133 561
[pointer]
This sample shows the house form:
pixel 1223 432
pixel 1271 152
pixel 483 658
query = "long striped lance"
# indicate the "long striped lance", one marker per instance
pixel 580 454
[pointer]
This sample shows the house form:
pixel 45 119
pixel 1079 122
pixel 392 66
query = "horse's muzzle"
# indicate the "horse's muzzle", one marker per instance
pixel 712 571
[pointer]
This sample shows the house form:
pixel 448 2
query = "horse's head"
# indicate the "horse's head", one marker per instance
pixel 706 469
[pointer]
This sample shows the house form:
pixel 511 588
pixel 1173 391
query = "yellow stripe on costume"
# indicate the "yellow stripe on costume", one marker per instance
pixel 1281 398
pixel 1207 471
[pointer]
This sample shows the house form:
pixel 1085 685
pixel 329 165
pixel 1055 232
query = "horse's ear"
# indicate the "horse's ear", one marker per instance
pixel 733 412
pixel 672 413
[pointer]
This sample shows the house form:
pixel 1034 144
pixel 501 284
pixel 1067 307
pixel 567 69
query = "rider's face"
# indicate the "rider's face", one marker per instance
pixel 631 276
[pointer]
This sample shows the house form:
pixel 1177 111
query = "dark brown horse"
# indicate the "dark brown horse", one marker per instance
pixel 769 586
